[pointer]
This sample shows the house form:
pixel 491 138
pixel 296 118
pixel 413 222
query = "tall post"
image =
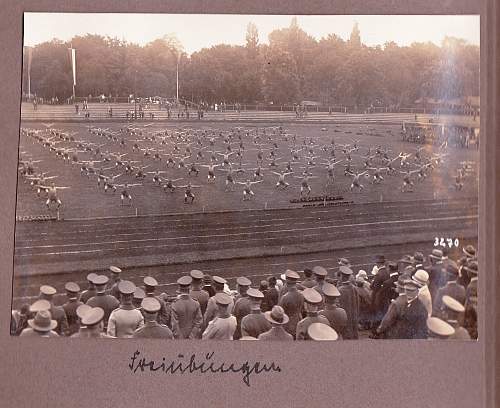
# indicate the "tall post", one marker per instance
pixel 177 77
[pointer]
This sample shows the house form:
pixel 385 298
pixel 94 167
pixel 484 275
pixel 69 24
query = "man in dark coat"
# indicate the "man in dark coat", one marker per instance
pixel 389 328
pixel 437 276
pixel 335 315
pixel 387 291
pixel 292 302
pixel 349 301
pixel 91 290
pixel 271 295
pixel 164 314
pixel 186 313
pixel 414 317
pixel 312 301
pixel 309 281
pixel 381 275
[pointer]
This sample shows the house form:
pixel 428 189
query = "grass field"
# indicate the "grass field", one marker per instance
pixel 83 199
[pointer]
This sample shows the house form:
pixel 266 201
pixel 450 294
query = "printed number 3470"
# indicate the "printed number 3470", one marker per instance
pixel 446 242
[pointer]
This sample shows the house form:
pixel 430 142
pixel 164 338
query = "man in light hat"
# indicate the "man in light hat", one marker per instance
pixel 452 288
pixel 414 319
pixel 126 319
pixel 223 326
pixel 218 286
pixel 439 329
pixel 42 325
pixel 349 301
pixel 197 292
pixel 309 281
pixel 277 318
pixel 152 329
pixel 72 292
pixel 292 302
pixel 437 277
pixel 337 317
pixel 112 287
pixel 255 323
pixel 242 305
pixel 186 312
pixel 91 290
pixel 453 313
pixel 57 312
pixel 389 327
pixel 312 302
pixel 92 320
pixel 321 332
pixel 421 277
pixel 106 302
pixel 164 314
pixel 80 312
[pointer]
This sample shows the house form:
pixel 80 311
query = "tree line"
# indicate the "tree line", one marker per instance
pixel 291 68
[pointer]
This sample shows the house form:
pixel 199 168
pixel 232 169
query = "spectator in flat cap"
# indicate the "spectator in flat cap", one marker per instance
pixel 186 312
pixel 414 320
pixel 439 329
pixel 126 319
pixel 437 277
pixel 309 281
pixel 91 289
pixel 218 286
pixel 80 312
pixel 255 323
pixel 349 301
pixel 164 314
pixel 112 287
pixel 292 302
pixel 197 292
pixel 321 332
pixel 337 317
pixel 312 302
pixel 452 288
pixel 223 326
pixel 277 318
pixel 57 312
pixel 41 326
pixel 93 321
pixel 390 326
pixel 19 320
pixel 106 302
pixel 151 329
pixel 242 305
pixel 72 293
pixel 453 314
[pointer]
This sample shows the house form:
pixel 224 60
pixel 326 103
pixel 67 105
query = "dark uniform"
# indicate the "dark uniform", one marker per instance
pixel 337 318
pixel 293 304
pixel 254 324
pixel 186 313
pixel 241 309
pixel 349 301
pixel 106 302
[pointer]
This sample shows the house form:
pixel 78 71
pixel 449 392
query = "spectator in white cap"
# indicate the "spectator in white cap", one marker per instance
pixel 421 278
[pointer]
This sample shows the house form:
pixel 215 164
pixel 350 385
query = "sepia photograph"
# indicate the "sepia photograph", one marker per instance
pixel 248 177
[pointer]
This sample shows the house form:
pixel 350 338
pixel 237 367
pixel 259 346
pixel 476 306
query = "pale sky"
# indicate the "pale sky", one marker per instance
pixel 196 31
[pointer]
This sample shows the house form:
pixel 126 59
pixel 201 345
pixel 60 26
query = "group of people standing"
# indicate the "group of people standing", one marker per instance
pixel 407 299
